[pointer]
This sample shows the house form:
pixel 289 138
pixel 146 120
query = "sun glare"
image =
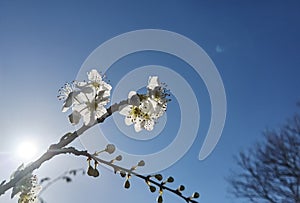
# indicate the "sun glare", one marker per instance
pixel 26 150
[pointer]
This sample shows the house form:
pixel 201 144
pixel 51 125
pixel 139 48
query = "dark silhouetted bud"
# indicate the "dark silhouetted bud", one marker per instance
pixel 127 184
pixel 196 195
pixel 123 174
pixel 152 188
pixel 181 188
pixel 119 158
pixel 158 177
pixel 159 199
pixel 170 179
pixel 90 171
pixel 141 163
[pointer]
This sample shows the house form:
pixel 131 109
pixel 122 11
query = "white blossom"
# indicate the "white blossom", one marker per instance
pixel 87 99
pixel 143 111
pixel 27 188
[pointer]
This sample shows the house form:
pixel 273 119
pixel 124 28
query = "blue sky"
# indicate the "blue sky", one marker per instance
pixel 254 45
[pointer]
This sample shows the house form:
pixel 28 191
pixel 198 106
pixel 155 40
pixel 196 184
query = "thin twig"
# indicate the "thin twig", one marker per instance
pixel 72 150
pixel 51 182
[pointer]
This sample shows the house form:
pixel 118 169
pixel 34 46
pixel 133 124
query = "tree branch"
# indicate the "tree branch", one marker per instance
pixel 52 151
pixel 60 148
pixel 116 168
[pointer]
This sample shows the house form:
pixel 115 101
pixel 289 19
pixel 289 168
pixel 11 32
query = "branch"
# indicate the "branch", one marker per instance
pixel 52 150
pixel 116 168
pixel 62 176
pixel 60 148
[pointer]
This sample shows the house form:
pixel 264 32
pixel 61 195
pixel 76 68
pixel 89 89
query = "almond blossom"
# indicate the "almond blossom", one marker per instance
pixel 144 110
pixel 87 99
pixel 27 188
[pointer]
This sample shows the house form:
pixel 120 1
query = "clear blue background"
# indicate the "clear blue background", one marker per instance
pixel 254 44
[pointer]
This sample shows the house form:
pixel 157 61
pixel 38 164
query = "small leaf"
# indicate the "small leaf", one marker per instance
pixel 127 184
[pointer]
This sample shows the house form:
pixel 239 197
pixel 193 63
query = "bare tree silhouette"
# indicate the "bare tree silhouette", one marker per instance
pixel 270 171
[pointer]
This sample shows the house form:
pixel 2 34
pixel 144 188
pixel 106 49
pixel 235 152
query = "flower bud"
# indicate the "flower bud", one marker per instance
pixel 159 199
pixel 152 188
pixel 123 174
pixel 181 188
pixel 119 158
pixel 127 184
pixel 141 163
pixel 170 179
pixel 158 177
pixel 96 173
pixel 110 148
pixel 90 171
pixel 196 195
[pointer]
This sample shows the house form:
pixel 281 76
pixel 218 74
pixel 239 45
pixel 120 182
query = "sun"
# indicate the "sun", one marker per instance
pixel 26 150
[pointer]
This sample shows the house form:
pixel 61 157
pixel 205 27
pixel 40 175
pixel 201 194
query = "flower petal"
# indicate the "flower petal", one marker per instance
pixel 74 117
pixel 128 120
pixel 153 82
pixel 137 127
pixel 94 76
pixel 86 90
pixel 134 100
pixel 100 111
pixel 126 110
pixel 131 93
pixel 88 117
pixel 149 125
pixel 68 102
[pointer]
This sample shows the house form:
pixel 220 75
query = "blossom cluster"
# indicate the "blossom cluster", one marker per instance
pixel 88 100
pixel 144 110
pixel 27 188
